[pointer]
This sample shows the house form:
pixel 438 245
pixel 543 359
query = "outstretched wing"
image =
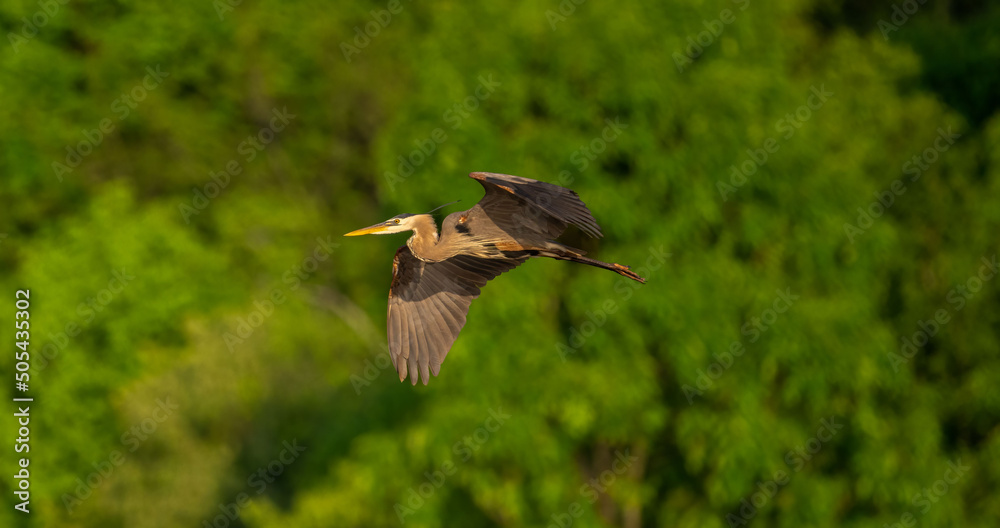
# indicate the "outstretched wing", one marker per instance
pixel 514 202
pixel 428 302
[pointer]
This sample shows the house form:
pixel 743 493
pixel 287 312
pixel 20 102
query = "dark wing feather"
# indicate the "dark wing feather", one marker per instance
pixel 541 198
pixel 428 303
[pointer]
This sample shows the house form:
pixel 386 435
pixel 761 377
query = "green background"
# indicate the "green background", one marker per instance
pixel 700 399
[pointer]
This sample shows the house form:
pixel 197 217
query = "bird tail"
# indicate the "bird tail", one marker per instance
pixel 561 252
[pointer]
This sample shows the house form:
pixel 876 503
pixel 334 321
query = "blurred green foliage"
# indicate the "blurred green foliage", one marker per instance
pixel 699 399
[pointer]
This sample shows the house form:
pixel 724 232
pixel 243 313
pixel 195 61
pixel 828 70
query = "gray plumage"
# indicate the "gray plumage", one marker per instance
pixel 436 277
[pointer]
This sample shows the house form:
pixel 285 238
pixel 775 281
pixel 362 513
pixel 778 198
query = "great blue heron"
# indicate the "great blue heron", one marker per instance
pixel 436 277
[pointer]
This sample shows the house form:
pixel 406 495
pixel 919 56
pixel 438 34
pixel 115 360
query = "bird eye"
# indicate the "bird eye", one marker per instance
pixel 397 220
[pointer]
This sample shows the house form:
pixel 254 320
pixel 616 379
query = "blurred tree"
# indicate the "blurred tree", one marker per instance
pixel 805 196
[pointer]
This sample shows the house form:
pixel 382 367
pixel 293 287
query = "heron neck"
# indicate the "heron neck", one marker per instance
pixel 424 241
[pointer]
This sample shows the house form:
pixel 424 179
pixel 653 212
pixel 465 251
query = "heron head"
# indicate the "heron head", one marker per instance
pixel 396 224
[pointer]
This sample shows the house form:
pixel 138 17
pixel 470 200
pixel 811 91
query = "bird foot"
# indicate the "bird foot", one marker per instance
pixel 626 271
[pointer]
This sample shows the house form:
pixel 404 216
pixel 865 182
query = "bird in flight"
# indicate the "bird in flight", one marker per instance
pixel 436 276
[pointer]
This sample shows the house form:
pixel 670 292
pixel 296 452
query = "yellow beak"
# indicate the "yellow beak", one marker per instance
pixel 377 228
